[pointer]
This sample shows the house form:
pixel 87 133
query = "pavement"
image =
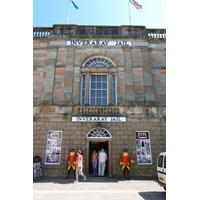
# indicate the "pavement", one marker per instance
pixel 97 188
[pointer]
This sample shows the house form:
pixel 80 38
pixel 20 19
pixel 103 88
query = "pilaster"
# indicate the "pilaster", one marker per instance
pixel 50 75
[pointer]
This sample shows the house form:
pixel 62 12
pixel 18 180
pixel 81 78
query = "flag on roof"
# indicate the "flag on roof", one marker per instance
pixel 136 4
pixel 75 6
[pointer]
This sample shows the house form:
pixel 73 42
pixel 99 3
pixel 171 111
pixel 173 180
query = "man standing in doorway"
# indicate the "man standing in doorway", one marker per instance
pixel 125 157
pixel 102 162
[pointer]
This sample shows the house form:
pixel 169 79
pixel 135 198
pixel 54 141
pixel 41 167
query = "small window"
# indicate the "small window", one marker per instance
pixel 160 161
pixel 83 91
pixel 114 99
pixel 165 163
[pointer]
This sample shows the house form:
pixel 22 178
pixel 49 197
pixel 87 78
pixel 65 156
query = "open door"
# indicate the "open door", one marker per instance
pixel 97 146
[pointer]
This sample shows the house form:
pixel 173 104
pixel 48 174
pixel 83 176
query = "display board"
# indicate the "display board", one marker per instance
pixel 143 148
pixel 37 168
pixel 53 147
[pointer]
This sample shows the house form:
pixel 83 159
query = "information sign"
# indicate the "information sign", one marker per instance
pixel 143 148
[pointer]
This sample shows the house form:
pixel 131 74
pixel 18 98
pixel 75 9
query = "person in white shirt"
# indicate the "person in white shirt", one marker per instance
pixel 102 162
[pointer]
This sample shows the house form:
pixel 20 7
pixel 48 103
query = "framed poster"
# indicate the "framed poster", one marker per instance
pixel 143 148
pixel 53 147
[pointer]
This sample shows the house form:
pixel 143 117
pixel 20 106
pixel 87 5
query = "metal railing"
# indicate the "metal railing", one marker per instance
pixel 103 31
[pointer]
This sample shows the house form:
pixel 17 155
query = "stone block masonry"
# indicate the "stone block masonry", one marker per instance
pixel 123 136
pixel 64 60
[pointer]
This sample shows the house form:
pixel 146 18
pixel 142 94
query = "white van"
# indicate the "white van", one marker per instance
pixel 161 169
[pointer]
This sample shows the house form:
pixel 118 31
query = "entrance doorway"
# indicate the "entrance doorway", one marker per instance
pixel 96 139
pixel 97 147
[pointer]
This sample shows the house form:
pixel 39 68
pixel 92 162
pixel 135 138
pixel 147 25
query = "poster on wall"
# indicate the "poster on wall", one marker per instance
pixel 53 147
pixel 143 148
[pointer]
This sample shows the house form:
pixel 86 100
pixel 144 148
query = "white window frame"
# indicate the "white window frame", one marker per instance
pixel 105 62
pixel 97 89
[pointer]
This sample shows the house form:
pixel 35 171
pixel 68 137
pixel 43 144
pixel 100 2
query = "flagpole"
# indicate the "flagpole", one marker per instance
pixel 129 12
pixel 68 12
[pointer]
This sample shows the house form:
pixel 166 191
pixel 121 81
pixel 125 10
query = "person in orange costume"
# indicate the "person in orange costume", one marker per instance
pixel 125 157
pixel 72 160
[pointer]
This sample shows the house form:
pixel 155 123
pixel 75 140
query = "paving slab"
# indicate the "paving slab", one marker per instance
pixel 97 188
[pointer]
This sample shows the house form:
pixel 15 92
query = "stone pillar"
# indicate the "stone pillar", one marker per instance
pixel 49 82
pixel 148 79
pixel 129 83
pixel 69 73
pixel 76 86
pixel 121 86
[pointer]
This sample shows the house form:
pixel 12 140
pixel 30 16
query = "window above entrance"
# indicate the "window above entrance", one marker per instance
pixel 95 133
pixel 98 90
pixel 99 62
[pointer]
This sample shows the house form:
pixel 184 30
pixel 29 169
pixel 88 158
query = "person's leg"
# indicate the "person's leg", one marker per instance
pixel 76 181
pixel 74 174
pixel 81 173
pixel 95 168
pixel 103 168
pixel 128 174
pixel 69 171
pixel 124 172
pixel 99 169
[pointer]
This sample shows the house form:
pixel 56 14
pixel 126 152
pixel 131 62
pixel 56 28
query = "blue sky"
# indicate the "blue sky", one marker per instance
pixel 96 12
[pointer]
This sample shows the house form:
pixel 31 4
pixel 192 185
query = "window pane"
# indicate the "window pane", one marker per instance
pixel 114 101
pixel 98 77
pixel 113 94
pixel 83 101
pixel 104 93
pixel 165 162
pixel 83 90
pixel 98 85
pixel 98 101
pixel 83 85
pixel 93 85
pixel 83 93
pixel 104 77
pixel 104 101
pixel 92 101
pixel 98 93
pixel 93 78
pixel 113 86
pixel 113 77
pixel 92 94
pixel 160 164
pixel 104 85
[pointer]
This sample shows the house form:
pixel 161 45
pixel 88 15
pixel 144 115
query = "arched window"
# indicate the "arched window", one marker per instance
pixel 98 89
pixel 95 133
pixel 99 61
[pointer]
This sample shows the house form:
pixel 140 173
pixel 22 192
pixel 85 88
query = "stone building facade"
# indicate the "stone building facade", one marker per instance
pixel 99 86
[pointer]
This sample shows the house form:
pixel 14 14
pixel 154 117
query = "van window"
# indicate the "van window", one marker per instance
pixel 160 163
pixel 165 163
